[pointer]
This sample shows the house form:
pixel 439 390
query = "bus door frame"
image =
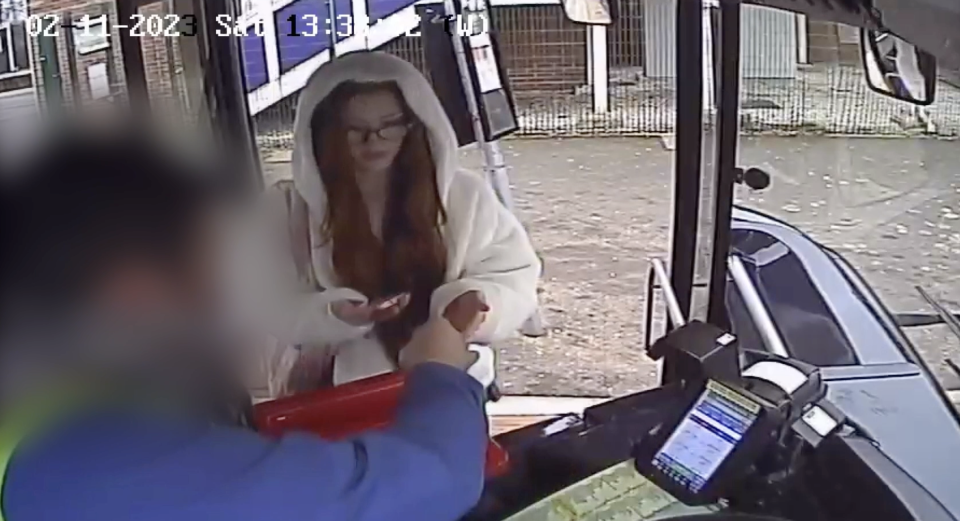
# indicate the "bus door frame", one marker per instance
pixel 221 61
pixel 705 164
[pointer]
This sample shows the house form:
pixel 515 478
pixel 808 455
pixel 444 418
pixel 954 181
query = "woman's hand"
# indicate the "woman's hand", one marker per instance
pixel 467 312
pixel 360 313
pixel 437 341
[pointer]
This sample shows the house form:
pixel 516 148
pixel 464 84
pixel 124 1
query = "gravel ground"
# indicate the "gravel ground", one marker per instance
pixel 597 209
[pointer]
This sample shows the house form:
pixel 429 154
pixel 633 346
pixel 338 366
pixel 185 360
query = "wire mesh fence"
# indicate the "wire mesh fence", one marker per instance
pixel 547 59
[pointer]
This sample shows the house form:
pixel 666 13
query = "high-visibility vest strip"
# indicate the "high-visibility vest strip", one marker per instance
pixel 22 422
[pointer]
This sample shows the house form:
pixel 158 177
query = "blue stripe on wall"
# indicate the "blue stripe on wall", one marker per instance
pixel 380 9
pixel 303 30
pixel 254 50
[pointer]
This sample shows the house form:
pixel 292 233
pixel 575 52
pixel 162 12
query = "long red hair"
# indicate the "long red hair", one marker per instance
pixel 411 257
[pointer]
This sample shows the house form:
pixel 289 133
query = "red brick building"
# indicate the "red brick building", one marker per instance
pixel 88 63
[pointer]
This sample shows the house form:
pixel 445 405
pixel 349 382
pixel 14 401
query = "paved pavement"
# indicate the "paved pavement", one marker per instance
pixel 19 114
pixel 598 208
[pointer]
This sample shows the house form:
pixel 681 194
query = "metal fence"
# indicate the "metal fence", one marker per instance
pixel 547 58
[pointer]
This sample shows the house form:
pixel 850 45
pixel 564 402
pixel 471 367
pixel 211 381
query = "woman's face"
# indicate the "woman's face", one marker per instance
pixel 376 126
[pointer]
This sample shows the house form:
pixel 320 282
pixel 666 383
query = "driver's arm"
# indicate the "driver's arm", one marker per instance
pixel 427 467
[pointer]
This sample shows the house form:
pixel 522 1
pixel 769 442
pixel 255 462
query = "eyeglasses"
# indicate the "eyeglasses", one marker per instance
pixel 391 132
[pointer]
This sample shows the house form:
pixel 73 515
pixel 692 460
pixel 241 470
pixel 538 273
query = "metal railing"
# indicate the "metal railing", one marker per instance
pixel 547 58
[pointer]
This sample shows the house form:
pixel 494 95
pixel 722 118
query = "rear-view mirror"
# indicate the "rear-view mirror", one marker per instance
pixel 591 12
pixel 897 68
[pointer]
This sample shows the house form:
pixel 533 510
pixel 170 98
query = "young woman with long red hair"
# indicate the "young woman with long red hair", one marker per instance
pixel 381 228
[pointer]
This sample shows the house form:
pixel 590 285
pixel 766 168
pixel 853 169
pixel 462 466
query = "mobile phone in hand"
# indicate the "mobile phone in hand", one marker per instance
pixel 389 301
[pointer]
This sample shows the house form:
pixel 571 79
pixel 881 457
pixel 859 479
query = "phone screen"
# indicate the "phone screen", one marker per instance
pixel 390 301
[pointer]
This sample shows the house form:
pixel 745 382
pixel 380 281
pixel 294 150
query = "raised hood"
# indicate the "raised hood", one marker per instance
pixel 373 67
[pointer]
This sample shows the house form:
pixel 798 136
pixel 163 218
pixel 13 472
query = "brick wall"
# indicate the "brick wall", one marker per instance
pixel 160 55
pixel 159 62
pixel 541 49
pixel 626 35
pixel 77 8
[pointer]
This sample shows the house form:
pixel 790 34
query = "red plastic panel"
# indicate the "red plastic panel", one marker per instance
pixel 338 412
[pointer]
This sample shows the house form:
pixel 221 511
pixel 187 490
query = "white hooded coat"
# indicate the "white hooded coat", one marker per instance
pixel 487 248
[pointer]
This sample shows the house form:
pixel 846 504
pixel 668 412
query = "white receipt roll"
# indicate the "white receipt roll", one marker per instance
pixel 782 375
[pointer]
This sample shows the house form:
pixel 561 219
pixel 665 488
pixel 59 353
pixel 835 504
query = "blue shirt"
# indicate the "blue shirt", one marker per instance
pixel 142 467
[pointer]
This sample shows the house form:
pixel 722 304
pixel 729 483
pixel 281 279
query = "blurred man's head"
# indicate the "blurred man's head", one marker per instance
pixel 112 225
pixel 109 253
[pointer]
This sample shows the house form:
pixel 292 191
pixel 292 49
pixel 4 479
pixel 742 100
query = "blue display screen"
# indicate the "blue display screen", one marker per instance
pixel 706 436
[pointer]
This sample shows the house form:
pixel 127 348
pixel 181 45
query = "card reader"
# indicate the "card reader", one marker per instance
pixel 700 453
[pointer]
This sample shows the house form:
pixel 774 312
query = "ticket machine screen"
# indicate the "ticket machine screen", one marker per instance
pixel 706 436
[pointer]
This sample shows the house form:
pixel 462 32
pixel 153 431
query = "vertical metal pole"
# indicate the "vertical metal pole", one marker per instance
pixel 709 83
pixel 803 52
pixel 689 94
pixel 598 63
pixel 75 90
pixel 725 166
pixel 228 96
pixel 590 56
pixel 495 167
pixel 134 73
pixel 463 67
pixel 332 13
pixel 687 162
pixel 171 47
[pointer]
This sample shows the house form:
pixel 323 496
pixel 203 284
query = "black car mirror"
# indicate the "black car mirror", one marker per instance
pixel 590 12
pixel 898 69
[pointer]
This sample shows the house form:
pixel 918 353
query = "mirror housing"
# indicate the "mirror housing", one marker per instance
pixel 896 68
pixel 589 12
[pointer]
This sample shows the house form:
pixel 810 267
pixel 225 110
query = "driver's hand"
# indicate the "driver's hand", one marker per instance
pixel 437 341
